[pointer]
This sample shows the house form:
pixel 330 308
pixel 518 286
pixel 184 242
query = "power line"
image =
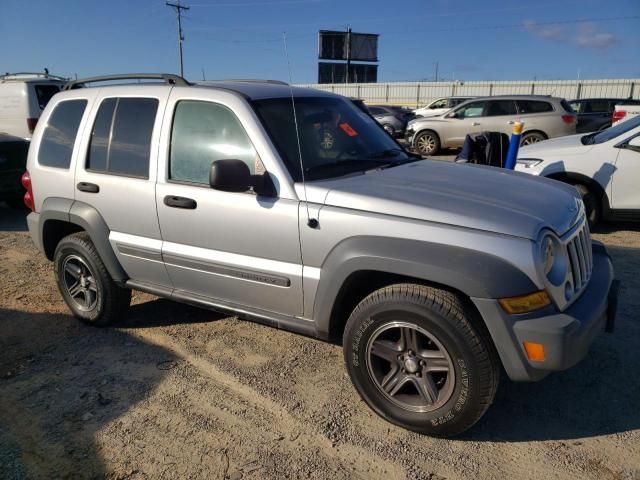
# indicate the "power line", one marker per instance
pixel 179 9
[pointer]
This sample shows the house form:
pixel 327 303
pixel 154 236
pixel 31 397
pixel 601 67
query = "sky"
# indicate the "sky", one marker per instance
pixel 467 39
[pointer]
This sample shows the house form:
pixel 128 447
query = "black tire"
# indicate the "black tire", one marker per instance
pixel 592 206
pixel 530 138
pixel 427 142
pixel 463 393
pixel 99 301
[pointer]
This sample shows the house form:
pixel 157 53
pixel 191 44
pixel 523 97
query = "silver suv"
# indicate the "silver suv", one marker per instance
pixel 432 275
pixel 543 117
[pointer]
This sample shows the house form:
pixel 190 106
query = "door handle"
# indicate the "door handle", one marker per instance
pixel 88 187
pixel 475 124
pixel 180 202
pixel 510 122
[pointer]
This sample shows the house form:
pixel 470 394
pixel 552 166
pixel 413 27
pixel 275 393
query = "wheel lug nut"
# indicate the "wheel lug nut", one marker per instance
pixel 410 352
pixel 417 374
pixel 423 363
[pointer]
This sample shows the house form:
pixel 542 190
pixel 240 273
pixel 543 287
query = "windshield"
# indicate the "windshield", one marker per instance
pixel 336 138
pixel 611 132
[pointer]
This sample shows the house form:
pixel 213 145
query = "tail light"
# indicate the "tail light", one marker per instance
pixel 618 115
pixel 28 196
pixel 569 119
pixel 31 124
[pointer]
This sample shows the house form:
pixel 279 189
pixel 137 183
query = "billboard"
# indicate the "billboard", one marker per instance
pixel 334 72
pixel 334 45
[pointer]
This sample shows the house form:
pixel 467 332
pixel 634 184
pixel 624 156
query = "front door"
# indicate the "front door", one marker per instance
pixel 626 180
pixel 468 119
pixel 229 247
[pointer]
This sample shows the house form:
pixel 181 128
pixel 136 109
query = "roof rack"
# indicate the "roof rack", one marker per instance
pixel 245 80
pixel 169 79
pixel 17 75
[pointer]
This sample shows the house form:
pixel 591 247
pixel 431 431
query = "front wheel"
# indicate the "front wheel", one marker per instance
pixel 420 359
pixel 85 284
pixel 427 143
pixel 531 137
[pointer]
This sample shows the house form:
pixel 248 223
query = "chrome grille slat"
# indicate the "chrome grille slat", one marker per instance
pixel 575 266
pixel 581 258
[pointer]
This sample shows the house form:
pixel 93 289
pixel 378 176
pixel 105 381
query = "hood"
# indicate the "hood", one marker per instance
pixel 563 146
pixel 470 196
pixel 437 118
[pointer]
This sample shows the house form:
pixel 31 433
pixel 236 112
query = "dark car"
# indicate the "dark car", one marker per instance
pixel 13 163
pixel 595 114
pixel 393 119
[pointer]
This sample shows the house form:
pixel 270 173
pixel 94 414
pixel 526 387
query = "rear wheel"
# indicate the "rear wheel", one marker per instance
pixel 427 143
pixel 419 359
pixel 85 284
pixel 530 138
pixel 591 204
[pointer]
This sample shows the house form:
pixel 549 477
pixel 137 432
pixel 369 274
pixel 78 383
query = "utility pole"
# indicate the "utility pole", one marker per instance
pixel 346 80
pixel 179 9
pixel 437 71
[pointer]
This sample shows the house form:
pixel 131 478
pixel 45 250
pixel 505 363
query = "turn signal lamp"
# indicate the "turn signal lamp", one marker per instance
pixel 535 351
pixel 525 303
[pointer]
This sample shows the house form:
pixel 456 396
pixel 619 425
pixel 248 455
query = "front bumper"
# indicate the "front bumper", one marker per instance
pixel 566 336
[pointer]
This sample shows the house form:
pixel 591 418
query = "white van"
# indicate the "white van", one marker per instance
pixel 23 96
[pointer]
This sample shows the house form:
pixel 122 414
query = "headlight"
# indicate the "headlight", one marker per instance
pixel 529 162
pixel 553 259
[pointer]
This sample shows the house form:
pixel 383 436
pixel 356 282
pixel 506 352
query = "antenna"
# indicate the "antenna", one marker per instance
pixel 311 222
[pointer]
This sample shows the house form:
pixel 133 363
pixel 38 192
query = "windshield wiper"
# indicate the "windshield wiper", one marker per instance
pixel 365 163
pixel 390 152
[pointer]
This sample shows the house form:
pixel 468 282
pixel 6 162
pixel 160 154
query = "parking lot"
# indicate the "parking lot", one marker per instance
pixel 179 392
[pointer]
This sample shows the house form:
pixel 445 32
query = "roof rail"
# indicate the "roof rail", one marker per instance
pixel 245 80
pixel 169 79
pixel 16 75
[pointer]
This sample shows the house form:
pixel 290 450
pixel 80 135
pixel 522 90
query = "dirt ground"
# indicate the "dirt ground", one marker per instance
pixel 178 392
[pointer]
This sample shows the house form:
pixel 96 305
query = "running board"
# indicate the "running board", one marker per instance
pixel 272 319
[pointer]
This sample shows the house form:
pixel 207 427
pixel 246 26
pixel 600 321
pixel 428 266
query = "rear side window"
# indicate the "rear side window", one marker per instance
pixel 535 106
pixel 203 132
pixel 597 106
pixel 501 107
pixel 569 108
pixel 44 94
pixel 59 136
pixel 121 137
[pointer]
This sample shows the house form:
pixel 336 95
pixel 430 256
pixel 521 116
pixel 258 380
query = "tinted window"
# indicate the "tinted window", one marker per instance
pixel 457 101
pixel 377 111
pixel 59 135
pixel 596 106
pixel 473 109
pixel 501 107
pixel 128 122
pixel 203 132
pixel 534 106
pixel 99 147
pixel 44 94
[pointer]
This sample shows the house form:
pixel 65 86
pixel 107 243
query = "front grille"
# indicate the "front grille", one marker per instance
pixel 580 258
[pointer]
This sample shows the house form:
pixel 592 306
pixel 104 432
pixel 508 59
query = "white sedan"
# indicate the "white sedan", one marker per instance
pixel 603 166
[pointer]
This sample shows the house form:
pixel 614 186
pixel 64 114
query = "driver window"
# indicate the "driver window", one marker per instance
pixel 473 109
pixel 203 132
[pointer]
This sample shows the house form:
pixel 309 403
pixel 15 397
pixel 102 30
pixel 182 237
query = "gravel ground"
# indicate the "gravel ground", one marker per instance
pixel 179 392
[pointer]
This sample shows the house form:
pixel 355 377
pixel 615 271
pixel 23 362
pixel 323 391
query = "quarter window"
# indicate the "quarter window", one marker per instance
pixel 202 133
pixel 59 135
pixel 121 136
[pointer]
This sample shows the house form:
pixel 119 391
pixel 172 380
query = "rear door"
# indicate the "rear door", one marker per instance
pixel 500 116
pixel 116 175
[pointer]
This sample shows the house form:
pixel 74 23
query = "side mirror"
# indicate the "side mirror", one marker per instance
pixel 230 176
pixel 453 115
pixel 234 176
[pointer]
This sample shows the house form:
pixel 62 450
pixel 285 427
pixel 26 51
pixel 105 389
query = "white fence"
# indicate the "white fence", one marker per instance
pixel 419 93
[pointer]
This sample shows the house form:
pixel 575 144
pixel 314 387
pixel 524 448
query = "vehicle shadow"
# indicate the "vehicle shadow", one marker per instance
pixel 61 385
pixel 161 312
pixel 599 396
pixel 13 219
